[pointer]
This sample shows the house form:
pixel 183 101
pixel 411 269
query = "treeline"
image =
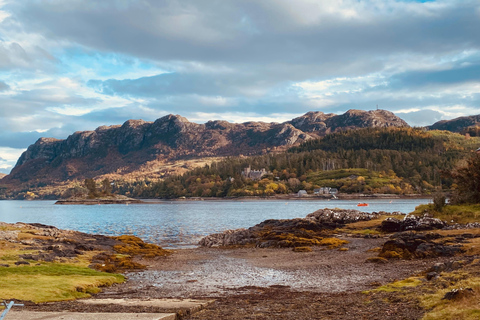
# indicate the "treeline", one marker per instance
pixel 406 160
pixel 399 139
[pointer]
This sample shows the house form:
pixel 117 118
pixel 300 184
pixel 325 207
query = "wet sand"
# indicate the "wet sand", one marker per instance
pixel 210 272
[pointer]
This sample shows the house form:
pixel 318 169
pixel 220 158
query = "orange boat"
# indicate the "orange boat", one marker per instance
pixel 362 205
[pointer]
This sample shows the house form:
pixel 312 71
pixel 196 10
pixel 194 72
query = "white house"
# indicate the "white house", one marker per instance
pixel 302 193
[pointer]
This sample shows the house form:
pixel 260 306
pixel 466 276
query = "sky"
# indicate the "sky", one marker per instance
pixel 75 65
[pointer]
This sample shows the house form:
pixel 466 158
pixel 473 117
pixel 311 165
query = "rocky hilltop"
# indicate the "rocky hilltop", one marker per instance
pixel 461 124
pixel 125 148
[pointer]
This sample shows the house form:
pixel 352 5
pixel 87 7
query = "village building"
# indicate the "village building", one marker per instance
pixel 322 190
pixel 302 193
pixel 253 174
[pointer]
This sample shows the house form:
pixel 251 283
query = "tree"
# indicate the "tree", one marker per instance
pixel 91 187
pixel 467 179
pixel 107 187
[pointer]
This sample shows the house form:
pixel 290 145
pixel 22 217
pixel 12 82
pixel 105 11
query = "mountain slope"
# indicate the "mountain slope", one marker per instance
pixel 461 124
pixel 125 148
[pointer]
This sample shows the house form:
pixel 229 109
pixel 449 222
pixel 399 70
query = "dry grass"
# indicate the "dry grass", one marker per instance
pixel 369 227
pixel 451 213
pixel 431 294
pixel 302 249
pixel 135 246
pixel 332 243
pixel 465 307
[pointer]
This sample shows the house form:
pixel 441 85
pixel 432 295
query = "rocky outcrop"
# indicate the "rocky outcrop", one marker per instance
pixel 411 222
pixel 409 245
pixel 320 124
pixel 289 232
pixel 129 146
pixel 458 124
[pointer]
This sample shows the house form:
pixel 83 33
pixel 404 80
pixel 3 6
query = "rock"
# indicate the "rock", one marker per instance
pixel 431 275
pixel 408 245
pixel 456 294
pixel 411 222
pixel 337 217
pixel 287 232
pixel 438 267
pixel 4 265
pixel 391 225
pixel 21 262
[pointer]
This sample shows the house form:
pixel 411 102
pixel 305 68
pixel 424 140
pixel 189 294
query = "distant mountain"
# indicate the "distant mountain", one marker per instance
pixel 125 148
pixel 462 124
pixel 2 175
pixel 320 124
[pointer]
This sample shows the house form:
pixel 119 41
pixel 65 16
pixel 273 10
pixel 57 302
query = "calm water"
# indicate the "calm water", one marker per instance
pixel 178 224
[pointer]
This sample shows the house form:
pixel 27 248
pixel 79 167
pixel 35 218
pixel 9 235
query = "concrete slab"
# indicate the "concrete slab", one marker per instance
pixel 192 305
pixel 30 315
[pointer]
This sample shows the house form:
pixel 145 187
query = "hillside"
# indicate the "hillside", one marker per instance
pixel 132 146
pixel 470 124
pixel 382 160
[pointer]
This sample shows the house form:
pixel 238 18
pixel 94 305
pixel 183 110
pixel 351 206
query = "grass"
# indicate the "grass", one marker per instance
pixel 451 213
pixel 400 285
pixel 332 243
pixel 53 282
pixel 47 281
pixel 368 227
pixel 466 307
pixel 132 245
pixel 430 294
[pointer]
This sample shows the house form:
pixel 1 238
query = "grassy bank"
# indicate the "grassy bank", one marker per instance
pixel 465 213
pixel 43 264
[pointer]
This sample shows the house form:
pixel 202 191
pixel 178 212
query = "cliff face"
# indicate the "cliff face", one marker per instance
pixel 457 125
pixel 125 148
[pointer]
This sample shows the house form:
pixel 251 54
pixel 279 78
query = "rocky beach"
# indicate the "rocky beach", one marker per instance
pixel 332 264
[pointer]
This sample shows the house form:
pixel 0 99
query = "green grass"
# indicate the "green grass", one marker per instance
pixel 53 282
pixel 451 213
pixel 400 285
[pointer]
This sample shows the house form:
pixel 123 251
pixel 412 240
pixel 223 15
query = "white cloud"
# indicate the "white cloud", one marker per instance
pixel 241 117
pixel 9 157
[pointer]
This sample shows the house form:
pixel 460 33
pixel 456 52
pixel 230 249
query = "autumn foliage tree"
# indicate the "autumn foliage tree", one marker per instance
pixel 467 180
pixel 91 186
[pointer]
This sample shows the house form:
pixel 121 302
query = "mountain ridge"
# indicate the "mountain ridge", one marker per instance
pixel 460 124
pixel 126 147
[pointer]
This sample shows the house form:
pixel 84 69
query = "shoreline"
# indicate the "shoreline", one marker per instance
pixel 290 197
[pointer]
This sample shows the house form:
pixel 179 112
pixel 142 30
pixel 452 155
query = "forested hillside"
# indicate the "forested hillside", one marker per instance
pixel 388 160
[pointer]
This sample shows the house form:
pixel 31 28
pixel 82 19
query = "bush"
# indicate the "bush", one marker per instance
pixel 439 201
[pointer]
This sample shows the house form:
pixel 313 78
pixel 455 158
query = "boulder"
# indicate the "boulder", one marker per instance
pixel 297 232
pixel 411 222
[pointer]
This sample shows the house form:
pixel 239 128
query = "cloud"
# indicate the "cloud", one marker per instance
pixel 4 86
pixel 9 158
pixel 421 118
pixel 78 65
